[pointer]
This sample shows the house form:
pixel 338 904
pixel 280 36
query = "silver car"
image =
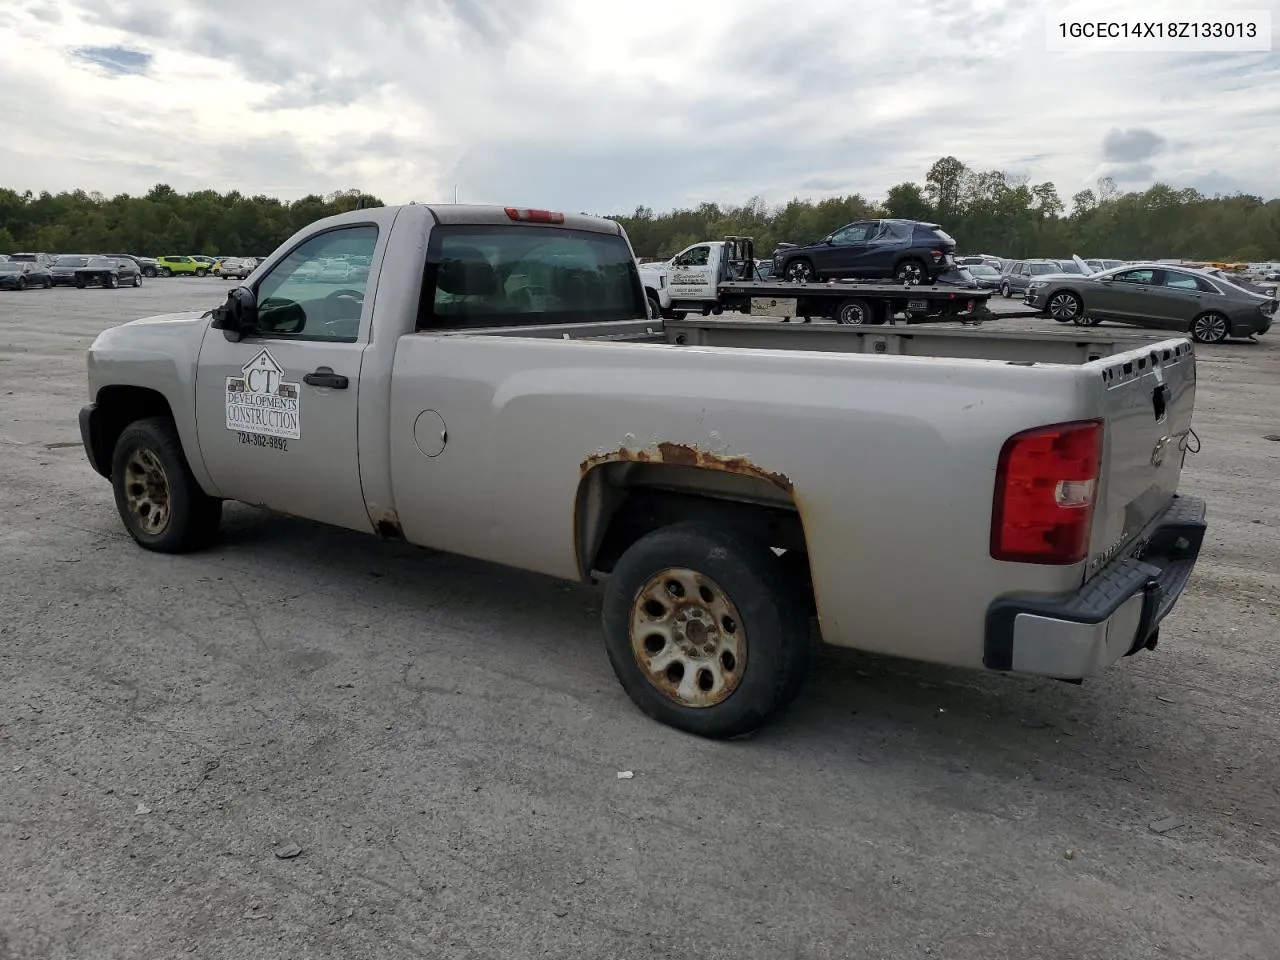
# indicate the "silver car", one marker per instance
pixel 1018 274
pixel 1154 295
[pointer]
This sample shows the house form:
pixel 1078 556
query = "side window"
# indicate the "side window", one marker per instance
pixel 697 257
pixel 1136 276
pixel 1180 281
pixel 854 233
pixel 316 292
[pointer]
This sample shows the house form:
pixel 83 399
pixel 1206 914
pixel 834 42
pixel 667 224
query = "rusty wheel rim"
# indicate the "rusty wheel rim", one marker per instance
pixel 687 638
pixel 146 489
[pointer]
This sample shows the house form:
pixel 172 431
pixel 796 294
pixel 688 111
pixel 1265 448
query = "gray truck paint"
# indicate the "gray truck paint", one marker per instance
pixel 493 443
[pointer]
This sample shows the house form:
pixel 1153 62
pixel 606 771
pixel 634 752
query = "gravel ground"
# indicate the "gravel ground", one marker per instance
pixel 441 740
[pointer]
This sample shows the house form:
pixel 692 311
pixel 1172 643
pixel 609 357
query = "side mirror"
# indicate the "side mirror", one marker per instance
pixel 238 315
pixel 828 240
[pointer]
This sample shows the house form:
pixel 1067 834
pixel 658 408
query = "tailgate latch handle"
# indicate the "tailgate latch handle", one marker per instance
pixel 1160 402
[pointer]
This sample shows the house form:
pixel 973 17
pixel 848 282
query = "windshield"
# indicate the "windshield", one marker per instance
pixel 983 270
pixel 503 275
pixel 71 261
pixel 1042 268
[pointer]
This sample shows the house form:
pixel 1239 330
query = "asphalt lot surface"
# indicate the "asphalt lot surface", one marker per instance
pixel 441 738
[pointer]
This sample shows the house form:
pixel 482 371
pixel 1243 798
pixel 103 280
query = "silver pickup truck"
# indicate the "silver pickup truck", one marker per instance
pixel 487 381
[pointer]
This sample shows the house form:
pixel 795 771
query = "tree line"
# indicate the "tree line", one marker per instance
pixel 986 211
pixel 994 212
pixel 163 222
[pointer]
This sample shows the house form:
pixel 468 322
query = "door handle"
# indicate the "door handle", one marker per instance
pixel 325 377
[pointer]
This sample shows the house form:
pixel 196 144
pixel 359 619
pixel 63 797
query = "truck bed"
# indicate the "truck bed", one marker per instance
pixel 1074 347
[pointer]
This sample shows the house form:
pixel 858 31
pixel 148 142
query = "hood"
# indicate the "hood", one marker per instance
pixel 1084 267
pixel 191 316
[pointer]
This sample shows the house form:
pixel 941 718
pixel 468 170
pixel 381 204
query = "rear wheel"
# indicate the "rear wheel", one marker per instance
pixel 855 312
pixel 111 282
pixel 137 279
pixel 22 283
pixel 48 283
pixel 704 629
pixel 162 506
pixel 1065 307
pixel 655 308
pixel 1210 328
pixel 800 271
pixel 79 284
pixel 910 272
pixel 201 272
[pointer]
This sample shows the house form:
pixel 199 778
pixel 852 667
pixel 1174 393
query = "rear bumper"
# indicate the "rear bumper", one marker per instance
pixel 1117 613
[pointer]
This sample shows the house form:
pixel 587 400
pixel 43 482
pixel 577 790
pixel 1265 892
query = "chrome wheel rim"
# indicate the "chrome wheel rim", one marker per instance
pixel 687 638
pixel 146 490
pixel 910 273
pixel 799 271
pixel 1064 306
pixel 1211 329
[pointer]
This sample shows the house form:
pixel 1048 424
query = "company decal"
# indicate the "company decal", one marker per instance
pixel 262 406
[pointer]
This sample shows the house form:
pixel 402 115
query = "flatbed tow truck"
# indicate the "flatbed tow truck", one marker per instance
pixel 720 277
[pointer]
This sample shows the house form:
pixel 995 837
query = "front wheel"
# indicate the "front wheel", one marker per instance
pixel 22 283
pixel 855 312
pixel 1066 307
pixel 111 282
pixel 162 506
pixel 166 272
pixel 655 308
pixel 704 629
pixel 48 283
pixel 910 272
pixel 1210 328
pixel 137 279
pixel 801 271
pixel 80 284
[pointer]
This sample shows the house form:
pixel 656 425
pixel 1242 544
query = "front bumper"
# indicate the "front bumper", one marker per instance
pixel 1035 298
pixel 1115 614
pixel 94 440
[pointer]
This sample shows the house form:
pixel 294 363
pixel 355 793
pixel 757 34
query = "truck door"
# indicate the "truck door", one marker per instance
pixel 276 411
pixel 694 273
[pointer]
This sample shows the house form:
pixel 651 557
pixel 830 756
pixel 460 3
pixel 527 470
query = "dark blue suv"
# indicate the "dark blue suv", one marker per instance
pixel 906 251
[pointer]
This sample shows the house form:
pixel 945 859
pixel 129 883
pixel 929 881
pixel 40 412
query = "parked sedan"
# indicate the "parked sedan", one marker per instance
pixel 64 268
pixel 20 274
pixel 1157 296
pixel 100 271
pixel 988 277
pixel 1019 274
pixel 233 268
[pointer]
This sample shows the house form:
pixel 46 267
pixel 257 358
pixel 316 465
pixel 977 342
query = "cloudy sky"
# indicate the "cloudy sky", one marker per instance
pixel 602 105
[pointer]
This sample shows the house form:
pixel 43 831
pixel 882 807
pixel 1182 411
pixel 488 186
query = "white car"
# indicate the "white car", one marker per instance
pixel 233 268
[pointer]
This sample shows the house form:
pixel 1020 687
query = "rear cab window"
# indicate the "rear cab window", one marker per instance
pixel 499 275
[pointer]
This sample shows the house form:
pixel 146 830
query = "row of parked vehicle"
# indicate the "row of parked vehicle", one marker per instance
pixel 130 268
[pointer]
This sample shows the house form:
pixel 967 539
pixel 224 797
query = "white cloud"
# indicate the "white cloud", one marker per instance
pixel 603 106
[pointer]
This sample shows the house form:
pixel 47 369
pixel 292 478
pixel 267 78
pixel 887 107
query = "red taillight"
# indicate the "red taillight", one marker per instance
pixel 535 216
pixel 936 254
pixel 1046 482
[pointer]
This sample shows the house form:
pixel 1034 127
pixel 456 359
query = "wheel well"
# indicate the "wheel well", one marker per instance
pixel 119 406
pixel 619 502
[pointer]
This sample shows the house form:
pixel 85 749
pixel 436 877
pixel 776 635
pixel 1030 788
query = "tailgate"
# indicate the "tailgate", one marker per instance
pixel 1147 398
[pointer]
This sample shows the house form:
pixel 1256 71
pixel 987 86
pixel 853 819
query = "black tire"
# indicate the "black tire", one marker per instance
pixel 1005 291
pixel 111 282
pixel 1065 307
pixel 857 312
pixel 137 279
pixel 22 283
pixel 1210 328
pixel 201 272
pixel 80 284
pixel 800 271
pixel 655 307
pixel 149 272
pixel 756 586
pixel 165 272
pixel 910 272
pixel 193 516
pixel 1086 321
pixel 48 283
